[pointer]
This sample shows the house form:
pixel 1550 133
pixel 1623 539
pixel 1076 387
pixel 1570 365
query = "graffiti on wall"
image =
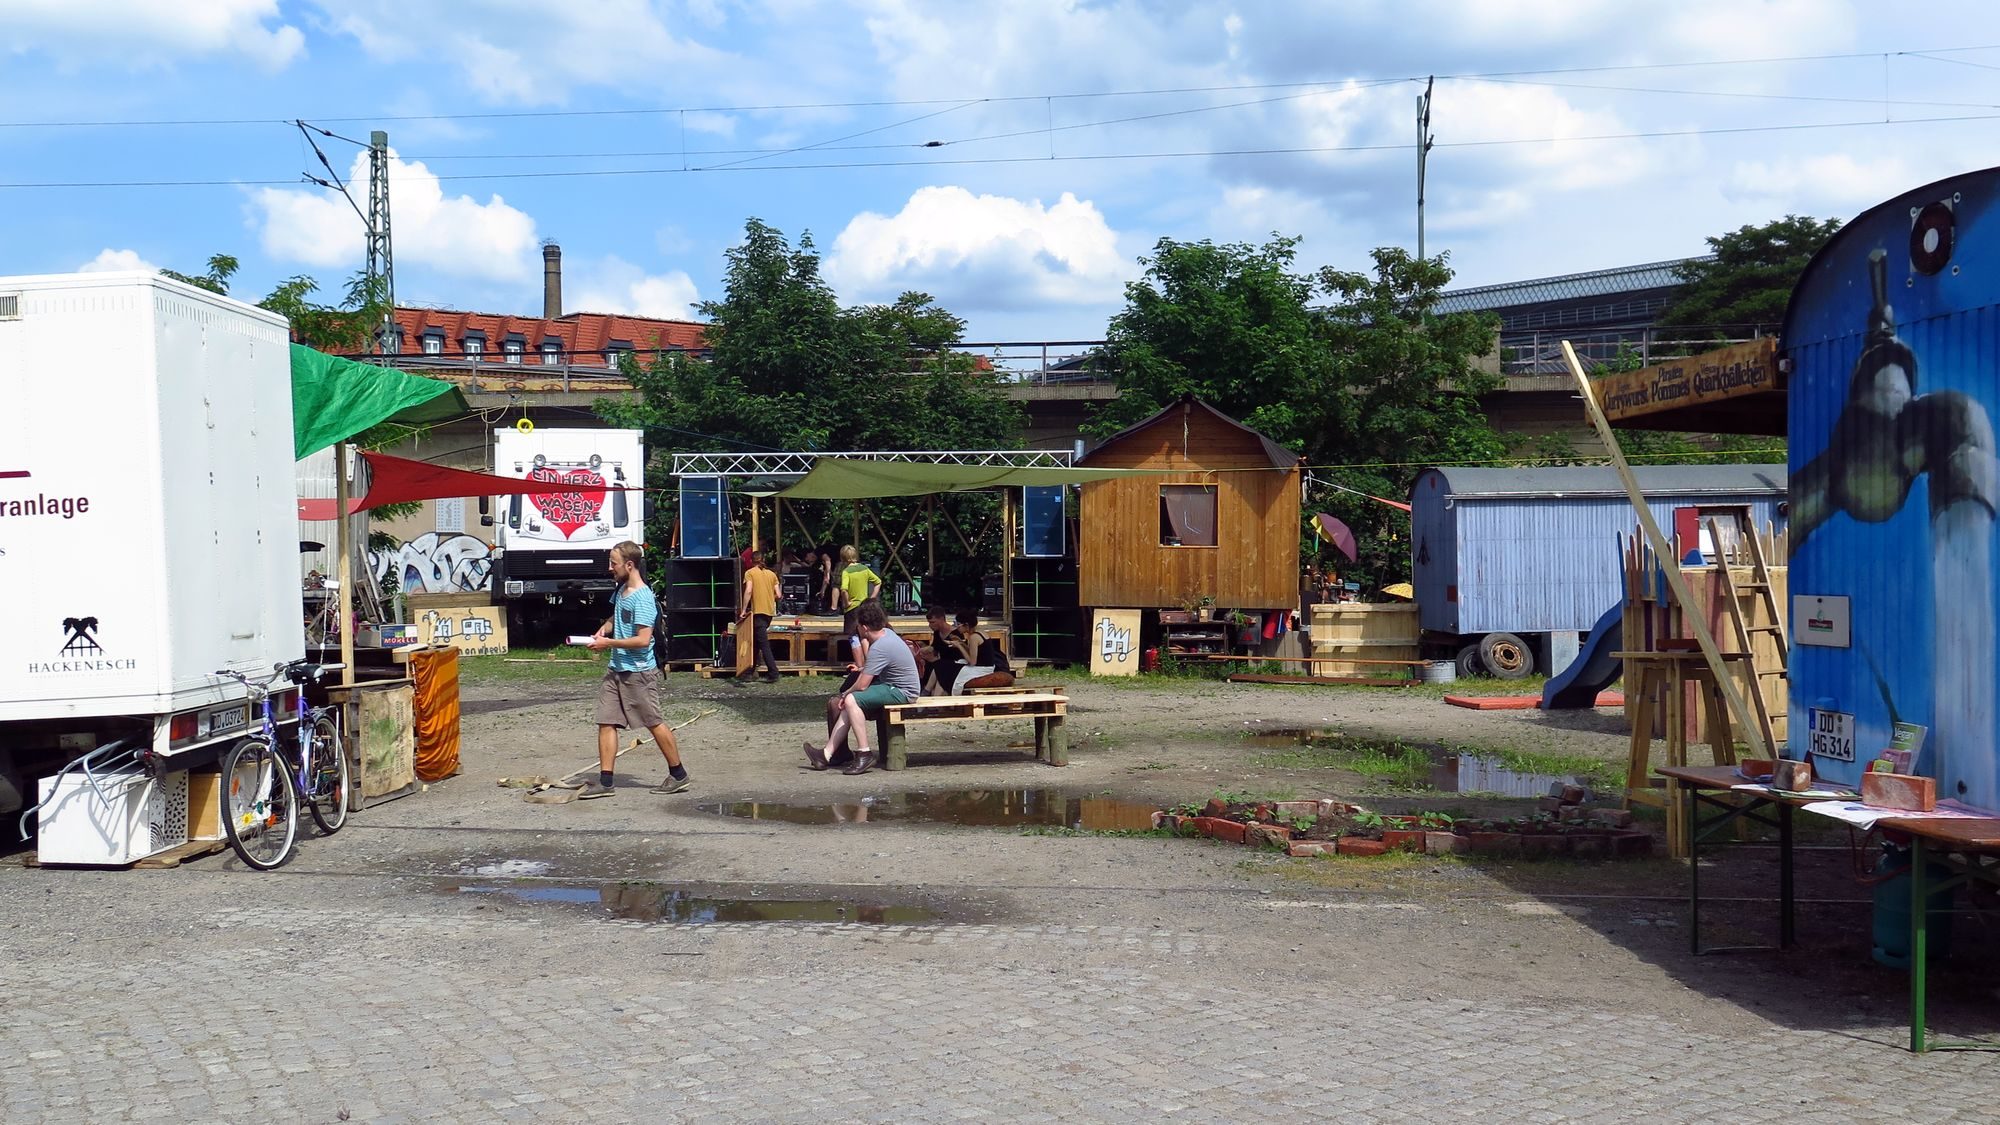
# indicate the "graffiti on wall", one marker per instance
pixel 436 563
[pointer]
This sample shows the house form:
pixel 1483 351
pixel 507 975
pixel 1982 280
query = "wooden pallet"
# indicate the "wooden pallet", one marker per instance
pixel 1016 689
pixel 1046 709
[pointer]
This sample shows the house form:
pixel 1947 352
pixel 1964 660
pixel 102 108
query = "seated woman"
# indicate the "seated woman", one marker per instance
pixel 984 665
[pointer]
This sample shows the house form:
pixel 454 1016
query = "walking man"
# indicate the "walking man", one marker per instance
pixel 630 695
pixel 889 676
pixel 760 603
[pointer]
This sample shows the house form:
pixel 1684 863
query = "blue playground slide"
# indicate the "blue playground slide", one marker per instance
pixel 1593 670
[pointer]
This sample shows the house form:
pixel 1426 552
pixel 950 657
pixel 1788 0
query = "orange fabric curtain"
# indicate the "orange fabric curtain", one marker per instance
pixel 435 672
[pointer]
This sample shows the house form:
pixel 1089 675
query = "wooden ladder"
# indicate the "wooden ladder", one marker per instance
pixel 1747 631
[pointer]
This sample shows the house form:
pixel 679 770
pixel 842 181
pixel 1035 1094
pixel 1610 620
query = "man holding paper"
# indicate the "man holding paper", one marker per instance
pixel 630 694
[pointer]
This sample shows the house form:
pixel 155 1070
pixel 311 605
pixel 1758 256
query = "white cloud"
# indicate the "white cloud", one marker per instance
pixel 981 251
pixel 617 286
pixel 137 34
pixel 1810 183
pixel 456 235
pixel 109 261
pixel 532 53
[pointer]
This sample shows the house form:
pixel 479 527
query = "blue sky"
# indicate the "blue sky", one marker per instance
pixel 1073 135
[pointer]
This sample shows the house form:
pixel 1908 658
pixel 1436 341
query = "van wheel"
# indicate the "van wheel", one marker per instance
pixel 1506 656
pixel 1469 664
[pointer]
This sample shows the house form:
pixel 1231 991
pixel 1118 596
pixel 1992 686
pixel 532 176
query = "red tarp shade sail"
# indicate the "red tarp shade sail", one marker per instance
pixel 395 480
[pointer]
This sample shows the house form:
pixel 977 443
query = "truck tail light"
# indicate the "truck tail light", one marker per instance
pixel 182 728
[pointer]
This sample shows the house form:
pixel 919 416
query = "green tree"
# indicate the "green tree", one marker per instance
pixel 1406 396
pixel 1230 324
pixel 221 267
pixel 1750 277
pixel 1369 386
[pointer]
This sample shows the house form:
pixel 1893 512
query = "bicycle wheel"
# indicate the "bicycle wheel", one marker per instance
pixel 327 791
pixel 262 821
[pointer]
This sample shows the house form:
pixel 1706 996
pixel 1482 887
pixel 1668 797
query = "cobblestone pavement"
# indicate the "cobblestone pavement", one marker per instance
pixel 222 995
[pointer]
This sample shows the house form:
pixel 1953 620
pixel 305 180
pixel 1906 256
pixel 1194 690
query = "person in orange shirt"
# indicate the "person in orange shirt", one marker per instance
pixel 760 602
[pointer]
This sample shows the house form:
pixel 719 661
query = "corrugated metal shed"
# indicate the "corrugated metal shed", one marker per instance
pixel 1894 338
pixel 1536 550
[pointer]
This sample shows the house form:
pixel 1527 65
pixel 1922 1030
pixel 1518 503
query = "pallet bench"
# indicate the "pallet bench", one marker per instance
pixel 1047 709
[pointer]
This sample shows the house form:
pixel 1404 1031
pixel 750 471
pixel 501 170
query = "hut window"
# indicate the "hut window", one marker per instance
pixel 1733 523
pixel 1187 515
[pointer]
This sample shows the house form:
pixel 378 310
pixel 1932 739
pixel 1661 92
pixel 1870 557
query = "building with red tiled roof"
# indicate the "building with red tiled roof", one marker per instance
pixel 554 339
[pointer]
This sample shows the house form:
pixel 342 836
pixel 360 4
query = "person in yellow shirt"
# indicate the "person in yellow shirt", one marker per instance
pixel 760 603
pixel 857 582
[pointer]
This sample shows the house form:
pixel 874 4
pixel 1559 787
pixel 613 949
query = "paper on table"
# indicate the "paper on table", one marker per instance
pixel 1759 787
pixel 1865 816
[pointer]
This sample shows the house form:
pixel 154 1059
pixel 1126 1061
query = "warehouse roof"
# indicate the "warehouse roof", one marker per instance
pixel 1602 480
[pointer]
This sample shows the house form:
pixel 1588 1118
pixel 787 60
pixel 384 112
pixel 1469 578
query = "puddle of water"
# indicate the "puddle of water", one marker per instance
pixel 653 902
pixel 1449 771
pixel 979 808
pixel 510 868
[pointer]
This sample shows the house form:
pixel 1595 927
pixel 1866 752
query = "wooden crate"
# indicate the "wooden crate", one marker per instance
pixel 1361 639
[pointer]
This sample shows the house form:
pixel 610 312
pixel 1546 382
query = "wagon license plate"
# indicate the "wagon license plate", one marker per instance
pixel 215 722
pixel 1832 735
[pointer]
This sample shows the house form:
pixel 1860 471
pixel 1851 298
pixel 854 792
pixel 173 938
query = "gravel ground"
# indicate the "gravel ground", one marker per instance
pixel 461 953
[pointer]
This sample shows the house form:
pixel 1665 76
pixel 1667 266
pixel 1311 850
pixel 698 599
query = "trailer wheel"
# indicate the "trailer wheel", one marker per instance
pixel 1506 656
pixel 1469 663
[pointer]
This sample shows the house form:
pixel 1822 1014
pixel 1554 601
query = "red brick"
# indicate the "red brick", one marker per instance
pixel 1631 842
pixel 1612 818
pixel 1266 835
pixel 1297 808
pixel 1303 848
pixel 1901 791
pixel 1403 839
pixel 1362 845
pixel 1216 807
pixel 1444 843
pixel 1495 843
pixel 1217 828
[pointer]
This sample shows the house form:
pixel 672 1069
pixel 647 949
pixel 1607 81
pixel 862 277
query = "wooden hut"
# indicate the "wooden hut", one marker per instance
pixel 1223 524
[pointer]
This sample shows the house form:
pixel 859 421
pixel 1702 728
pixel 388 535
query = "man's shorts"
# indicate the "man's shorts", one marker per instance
pixel 630 700
pixel 874 697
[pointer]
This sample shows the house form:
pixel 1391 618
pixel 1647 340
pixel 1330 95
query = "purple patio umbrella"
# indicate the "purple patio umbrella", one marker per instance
pixel 1336 532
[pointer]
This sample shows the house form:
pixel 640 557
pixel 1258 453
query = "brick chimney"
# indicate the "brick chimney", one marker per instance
pixel 551 279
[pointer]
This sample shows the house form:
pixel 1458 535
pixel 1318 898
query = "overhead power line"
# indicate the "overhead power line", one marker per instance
pixel 1304 150
pixel 776 107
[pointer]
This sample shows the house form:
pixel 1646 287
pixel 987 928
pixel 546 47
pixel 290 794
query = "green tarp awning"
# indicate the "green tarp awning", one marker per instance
pixel 845 478
pixel 334 399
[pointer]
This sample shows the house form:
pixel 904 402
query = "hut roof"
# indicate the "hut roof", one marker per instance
pixel 1281 459
pixel 1602 480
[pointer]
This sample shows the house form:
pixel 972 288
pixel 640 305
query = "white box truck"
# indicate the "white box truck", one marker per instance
pixel 148 526
pixel 552 550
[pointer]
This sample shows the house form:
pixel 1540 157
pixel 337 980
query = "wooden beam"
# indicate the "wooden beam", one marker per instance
pixel 1739 710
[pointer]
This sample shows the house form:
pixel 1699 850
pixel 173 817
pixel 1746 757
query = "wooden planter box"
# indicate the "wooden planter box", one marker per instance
pixel 1359 639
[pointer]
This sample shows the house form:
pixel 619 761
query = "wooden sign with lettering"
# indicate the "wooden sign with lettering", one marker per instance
pixel 1725 373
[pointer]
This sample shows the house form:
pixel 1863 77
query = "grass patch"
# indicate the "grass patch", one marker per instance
pixel 529 664
pixel 1598 773
pixel 1481 686
pixel 1389 765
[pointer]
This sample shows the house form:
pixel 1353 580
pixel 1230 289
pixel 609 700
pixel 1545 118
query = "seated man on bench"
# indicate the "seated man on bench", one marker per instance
pixel 889 676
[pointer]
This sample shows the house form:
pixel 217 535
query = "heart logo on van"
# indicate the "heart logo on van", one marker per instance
pixel 567 510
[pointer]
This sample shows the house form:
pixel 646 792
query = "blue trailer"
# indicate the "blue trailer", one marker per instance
pixel 1891 335
pixel 1510 565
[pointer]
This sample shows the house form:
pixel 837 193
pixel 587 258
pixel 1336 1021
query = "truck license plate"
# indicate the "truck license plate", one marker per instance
pixel 216 722
pixel 1833 735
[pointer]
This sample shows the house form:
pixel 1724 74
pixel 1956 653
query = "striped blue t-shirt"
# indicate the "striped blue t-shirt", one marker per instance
pixel 632 610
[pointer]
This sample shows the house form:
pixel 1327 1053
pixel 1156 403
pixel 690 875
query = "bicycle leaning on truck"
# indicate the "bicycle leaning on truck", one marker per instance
pixel 266 778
